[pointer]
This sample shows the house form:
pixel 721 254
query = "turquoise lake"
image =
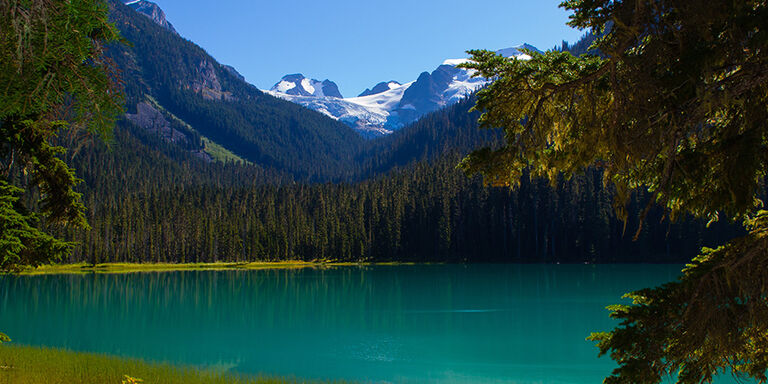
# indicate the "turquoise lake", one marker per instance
pixel 379 324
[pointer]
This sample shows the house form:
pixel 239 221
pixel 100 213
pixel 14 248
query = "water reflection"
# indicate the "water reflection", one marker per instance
pixel 428 323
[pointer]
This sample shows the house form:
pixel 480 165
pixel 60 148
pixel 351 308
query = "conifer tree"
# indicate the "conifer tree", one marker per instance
pixel 675 105
pixel 55 81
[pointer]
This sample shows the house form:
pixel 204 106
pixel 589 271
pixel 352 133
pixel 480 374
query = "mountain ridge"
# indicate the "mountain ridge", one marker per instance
pixel 389 106
pixel 153 11
pixel 298 85
pixel 205 101
pixel 379 88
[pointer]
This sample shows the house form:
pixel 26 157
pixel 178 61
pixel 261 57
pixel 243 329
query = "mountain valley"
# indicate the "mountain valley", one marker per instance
pixel 205 167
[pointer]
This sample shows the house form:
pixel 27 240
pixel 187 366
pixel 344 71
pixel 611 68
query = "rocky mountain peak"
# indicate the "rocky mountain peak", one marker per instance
pixel 153 11
pixel 380 87
pixel 298 85
pixel 233 71
pixel 389 105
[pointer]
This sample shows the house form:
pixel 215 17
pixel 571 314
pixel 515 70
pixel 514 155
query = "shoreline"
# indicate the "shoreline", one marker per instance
pixel 117 268
pixel 120 268
pixel 24 364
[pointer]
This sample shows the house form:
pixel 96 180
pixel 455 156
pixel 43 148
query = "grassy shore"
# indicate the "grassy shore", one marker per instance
pixel 165 267
pixel 161 267
pixel 32 365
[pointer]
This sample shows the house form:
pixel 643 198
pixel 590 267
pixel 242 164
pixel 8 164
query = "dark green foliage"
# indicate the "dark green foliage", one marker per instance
pixel 675 106
pixel 151 200
pixel 52 67
pixel 581 47
pixel 54 80
pixel 172 207
pixel 453 129
pixel 714 318
pixel 21 242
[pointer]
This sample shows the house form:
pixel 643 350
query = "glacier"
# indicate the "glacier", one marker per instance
pixel 389 106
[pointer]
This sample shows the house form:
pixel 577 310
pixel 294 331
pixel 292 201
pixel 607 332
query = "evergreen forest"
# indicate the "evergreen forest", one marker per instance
pixel 151 201
pixel 297 185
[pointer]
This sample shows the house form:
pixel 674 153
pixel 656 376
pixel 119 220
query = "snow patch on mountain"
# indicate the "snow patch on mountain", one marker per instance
pixel 283 86
pixel 517 51
pixel 384 101
pixel 380 87
pixel 307 85
pixel 370 115
pixel 298 85
pixel 369 121
pixel 455 62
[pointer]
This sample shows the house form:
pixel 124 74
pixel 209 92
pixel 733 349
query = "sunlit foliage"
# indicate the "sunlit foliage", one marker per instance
pixel 675 105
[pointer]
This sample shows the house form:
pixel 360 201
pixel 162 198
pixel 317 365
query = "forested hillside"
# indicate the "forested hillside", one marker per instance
pixel 176 89
pixel 453 129
pixel 426 212
pixel 153 195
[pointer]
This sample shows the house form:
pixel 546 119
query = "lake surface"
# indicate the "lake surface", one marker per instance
pixel 398 324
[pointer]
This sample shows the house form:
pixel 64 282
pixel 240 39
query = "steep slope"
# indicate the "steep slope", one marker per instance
pixel 451 130
pixel 203 105
pixel 151 199
pixel 153 11
pixel 166 74
pixel 448 130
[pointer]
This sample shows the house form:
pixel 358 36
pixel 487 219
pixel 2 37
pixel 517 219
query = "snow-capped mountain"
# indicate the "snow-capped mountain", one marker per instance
pixel 389 106
pixel 380 87
pixel 298 85
pixel 518 51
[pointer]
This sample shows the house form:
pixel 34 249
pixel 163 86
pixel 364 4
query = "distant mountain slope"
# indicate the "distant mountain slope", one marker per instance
pixel 451 130
pixel 389 106
pixel 185 97
pixel 151 198
pixel 167 74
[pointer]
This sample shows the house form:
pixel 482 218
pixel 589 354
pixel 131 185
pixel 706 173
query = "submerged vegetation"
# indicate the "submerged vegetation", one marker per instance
pixel 33 365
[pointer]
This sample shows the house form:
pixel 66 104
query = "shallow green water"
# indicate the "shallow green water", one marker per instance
pixel 400 324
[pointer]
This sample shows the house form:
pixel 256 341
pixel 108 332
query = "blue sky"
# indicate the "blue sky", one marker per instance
pixel 360 43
